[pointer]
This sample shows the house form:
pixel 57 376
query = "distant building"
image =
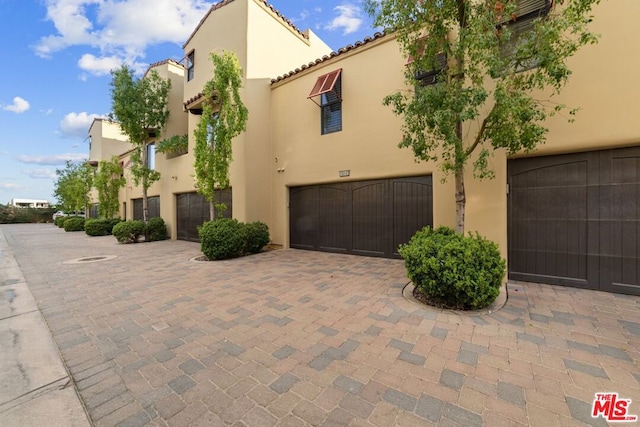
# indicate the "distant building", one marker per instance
pixel 29 203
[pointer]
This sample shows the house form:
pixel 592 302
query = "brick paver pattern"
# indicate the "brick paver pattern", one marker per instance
pixel 293 338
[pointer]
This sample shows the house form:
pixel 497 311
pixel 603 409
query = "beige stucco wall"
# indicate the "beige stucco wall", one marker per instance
pixel 603 85
pixel 367 144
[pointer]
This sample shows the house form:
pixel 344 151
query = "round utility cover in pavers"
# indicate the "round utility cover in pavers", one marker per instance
pixel 90 259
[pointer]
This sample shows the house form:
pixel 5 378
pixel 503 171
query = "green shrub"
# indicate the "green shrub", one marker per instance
pixel 74 223
pixel 257 236
pixel 60 221
pixel 111 223
pixel 454 271
pixel 97 226
pixel 156 229
pixel 128 231
pixel 223 238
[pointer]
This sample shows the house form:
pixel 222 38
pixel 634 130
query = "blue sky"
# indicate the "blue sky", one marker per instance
pixel 58 54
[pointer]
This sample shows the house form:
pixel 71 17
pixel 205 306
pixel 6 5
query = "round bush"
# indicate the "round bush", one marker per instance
pixel 156 229
pixel 60 221
pixel 223 238
pixel 128 231
pixel 111 223
pixel 452 270
pixel 74 223
pixel 96 227
pixel 257 236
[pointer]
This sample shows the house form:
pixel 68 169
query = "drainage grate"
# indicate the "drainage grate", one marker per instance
pixel 95 258
pixel 90 259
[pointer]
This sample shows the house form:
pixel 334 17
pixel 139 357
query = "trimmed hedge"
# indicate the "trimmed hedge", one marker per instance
pixel 223 238
pixel 452 270
pixel 226 238
pixel 156 229
pixel 100 226
pixel 128 231
pixel 74 223
pixel 257 237
pixel 60 221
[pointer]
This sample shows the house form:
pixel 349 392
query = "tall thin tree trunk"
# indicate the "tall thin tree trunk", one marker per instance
pixel 461 197
pixel 212 211
pixel 145 205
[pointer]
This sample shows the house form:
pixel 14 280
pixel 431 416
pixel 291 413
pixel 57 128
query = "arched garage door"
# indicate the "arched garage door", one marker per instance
pixel 575 220
pixel 193 211
pixel 363 218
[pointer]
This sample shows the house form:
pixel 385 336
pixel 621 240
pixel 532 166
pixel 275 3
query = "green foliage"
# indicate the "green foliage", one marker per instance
pixel 73 185
pixel 60 221
pixel 140 107
pixel 491 95
pixel 100 226
pixel 223 238
pixel 108 181
pixel 74 223
pixel 156 229
pixel 224 117
pixel 128 231
pixel 174 145
pixel 13 215
pixel 452 270
pixel 257 236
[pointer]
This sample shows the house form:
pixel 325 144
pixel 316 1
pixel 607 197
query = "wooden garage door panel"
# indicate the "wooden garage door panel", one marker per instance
pixel 548 221
pixel 575 220
pixel 192 210
pixel 334 218
pixel 364 218
pixel 304 217
pixel 412 208
pixel 370 219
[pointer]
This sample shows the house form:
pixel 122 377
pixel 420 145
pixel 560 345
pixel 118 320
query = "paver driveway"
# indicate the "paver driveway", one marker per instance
pixel 301 338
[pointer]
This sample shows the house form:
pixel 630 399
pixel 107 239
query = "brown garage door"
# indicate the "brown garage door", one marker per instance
pixel 193 210
pixel 575 220
pixel 153 204
pixel 363 218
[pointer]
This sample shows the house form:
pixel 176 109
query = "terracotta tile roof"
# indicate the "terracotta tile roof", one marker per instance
pixel 223 3
pixel 333 54
pixel 192 99
pixel 166 61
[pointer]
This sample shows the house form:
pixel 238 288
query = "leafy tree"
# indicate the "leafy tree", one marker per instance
pixel 108 181
pixel 491 65
pixel 175 145
pixel 140 107
pixel 224 117
pixel 72 186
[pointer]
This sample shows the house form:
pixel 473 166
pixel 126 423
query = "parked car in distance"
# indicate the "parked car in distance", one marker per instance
pixel 59 214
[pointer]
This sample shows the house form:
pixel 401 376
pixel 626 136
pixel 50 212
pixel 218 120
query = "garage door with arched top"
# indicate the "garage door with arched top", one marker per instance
pixel 574 220
pixel 368 218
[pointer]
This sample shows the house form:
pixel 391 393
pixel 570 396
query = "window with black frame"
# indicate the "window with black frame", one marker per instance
pixel 190 65
pixel 327 94
pixel 521 27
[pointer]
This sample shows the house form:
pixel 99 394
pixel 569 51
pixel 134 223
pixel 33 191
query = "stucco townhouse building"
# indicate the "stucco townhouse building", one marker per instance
pixel 319 162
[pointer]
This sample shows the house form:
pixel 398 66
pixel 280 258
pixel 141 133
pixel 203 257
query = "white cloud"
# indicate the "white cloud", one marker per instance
pixel 349 19
pixel 98 66
pixel 120 30
pixel 40 173
pixel 76 125
pixel 19 105
pixel 51 160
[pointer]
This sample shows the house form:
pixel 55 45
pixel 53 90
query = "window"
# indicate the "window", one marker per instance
pixel 190 65
pixel 151 156
pixel 526 14
pixel 431 77
pixel 328 90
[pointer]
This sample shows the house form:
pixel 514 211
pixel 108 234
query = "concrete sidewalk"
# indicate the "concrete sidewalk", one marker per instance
pixel 35 388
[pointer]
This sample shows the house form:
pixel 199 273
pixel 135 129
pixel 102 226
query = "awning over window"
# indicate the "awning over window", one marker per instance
pixel 325 83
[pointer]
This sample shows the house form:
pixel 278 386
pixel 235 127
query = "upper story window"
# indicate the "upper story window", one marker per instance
pixel 151 156
pixel 432 76
pixel 190 65
pixel 328 90
pixel 520 26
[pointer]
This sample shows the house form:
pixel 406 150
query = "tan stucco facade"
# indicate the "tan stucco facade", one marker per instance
pixel 283 146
